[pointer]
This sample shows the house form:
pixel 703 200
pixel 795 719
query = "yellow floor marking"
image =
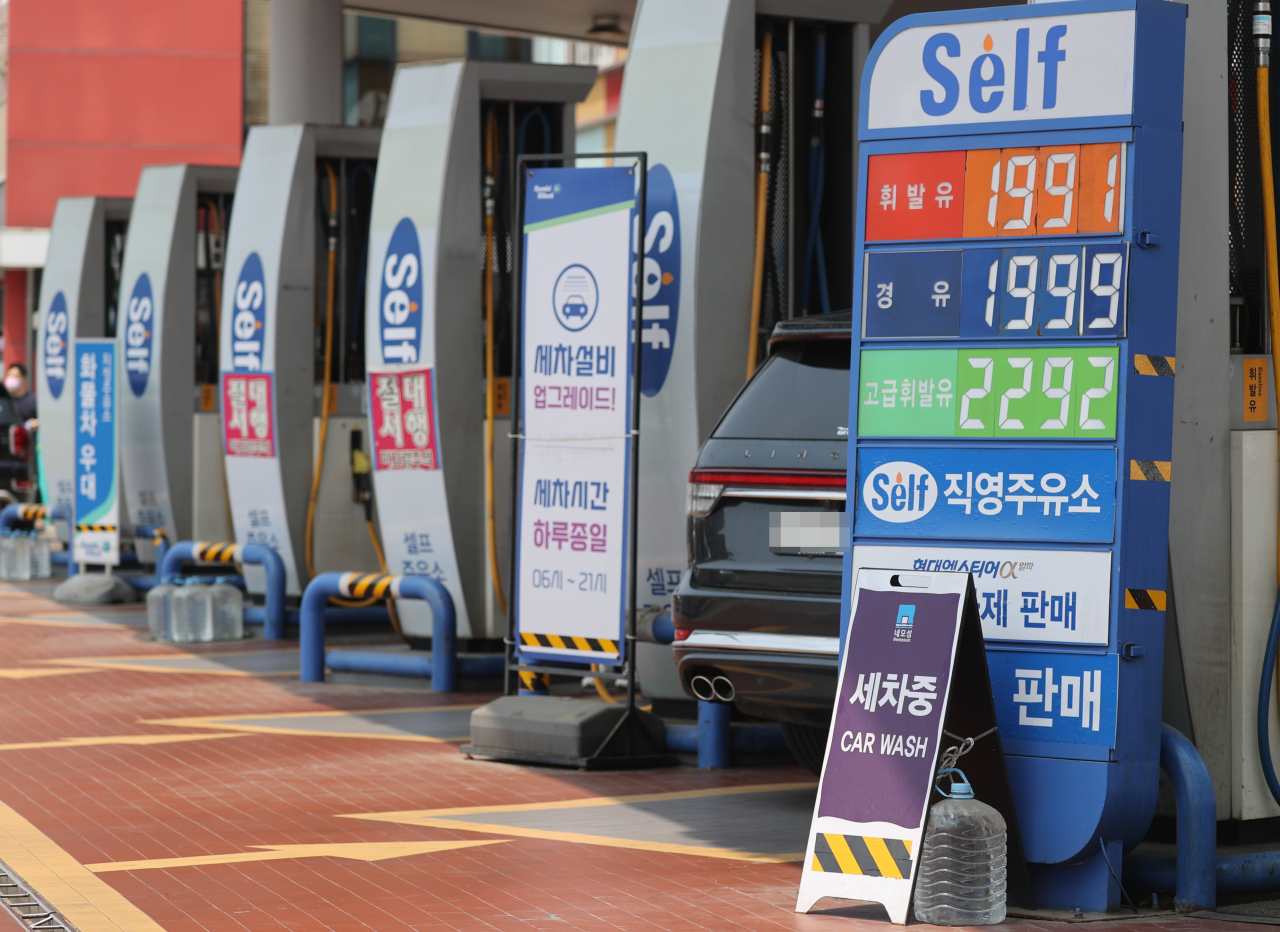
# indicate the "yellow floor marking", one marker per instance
pixel 125 662
pixel 584 802
pixel 27 673
pixel 240 723
pixel 51 623
pixel 87 901
pixel 358 851
pixel 89 742
pixel 436 818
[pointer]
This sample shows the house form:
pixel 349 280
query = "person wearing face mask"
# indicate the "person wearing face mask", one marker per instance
pixel 24 400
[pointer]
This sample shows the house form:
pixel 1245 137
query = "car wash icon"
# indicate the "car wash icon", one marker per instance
pixel 575 298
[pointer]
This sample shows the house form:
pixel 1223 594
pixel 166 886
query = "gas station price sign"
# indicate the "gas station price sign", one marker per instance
pixel 1011 285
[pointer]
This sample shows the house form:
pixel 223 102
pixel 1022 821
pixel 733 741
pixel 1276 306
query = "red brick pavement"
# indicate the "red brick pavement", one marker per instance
pixel 115 803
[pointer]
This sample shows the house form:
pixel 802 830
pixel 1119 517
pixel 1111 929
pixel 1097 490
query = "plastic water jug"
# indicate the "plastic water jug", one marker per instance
pixel 23 545
pixel 41 563
pixel 228 609
pixel 962 869
pixel 6 554
pixel 191 612
pixel 158 609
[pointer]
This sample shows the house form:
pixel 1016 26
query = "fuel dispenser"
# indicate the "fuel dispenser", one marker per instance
pixel 168 347
pixel 79 295
pixel 296 261
pixel 438 325
pixel 747 109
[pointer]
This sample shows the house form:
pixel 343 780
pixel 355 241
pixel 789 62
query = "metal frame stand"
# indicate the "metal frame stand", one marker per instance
pixel 630 743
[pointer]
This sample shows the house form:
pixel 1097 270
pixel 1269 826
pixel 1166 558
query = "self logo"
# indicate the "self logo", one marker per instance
pixel 900 492
pixel 400 301
pixel 55 345
pixel 248 317
pixel 137 335
pixel 987 72
pixel 661 279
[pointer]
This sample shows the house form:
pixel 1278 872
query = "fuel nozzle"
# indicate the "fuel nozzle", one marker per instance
pixel 361 475
pixel 1262 31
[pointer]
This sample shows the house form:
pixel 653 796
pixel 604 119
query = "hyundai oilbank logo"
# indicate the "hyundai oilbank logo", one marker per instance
pixel 400 302
pixel 137 335
pixel 248 320
pixel 575 297
pixel 661 281
pixel 900 492
pixel 55 345
pixel 986 73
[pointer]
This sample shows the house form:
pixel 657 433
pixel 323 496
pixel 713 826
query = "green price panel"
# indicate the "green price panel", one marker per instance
pixel 1063 393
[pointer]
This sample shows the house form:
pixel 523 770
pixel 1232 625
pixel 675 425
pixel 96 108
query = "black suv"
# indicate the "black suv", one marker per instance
pixel 758 625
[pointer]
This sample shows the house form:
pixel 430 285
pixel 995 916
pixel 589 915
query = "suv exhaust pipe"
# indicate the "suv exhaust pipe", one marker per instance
pixel 702 688
pixel 723 689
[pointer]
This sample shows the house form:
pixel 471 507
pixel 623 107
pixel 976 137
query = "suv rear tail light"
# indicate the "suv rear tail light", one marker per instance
pixel 702 496
pixel 683 633
pixel 19 440
pixel 707 485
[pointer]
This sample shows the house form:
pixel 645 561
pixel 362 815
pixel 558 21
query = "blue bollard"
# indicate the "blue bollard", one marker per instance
pixel 444 648
pixel 715 744
pixel 1197 820
pixel 226 552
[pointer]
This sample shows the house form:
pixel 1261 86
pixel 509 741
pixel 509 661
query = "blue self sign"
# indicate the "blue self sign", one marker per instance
pixel 1022 126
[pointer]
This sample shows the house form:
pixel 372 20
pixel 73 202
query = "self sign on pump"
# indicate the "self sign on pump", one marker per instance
pixel 1020 69
pixel 137 336
pixel 247 326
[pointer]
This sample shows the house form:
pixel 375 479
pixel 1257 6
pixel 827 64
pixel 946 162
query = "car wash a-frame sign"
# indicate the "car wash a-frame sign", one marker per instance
pixel 1012 393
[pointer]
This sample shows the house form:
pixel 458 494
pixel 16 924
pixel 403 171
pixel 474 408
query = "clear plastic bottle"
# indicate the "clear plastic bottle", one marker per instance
pixel 158 609
pixel 191 612
pixel 6 555
pixel 228 609
pixel 23 545
pixel 41 562
pixel 962 868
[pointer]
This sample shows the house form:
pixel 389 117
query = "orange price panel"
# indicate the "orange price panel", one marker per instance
pixel 1101 181
pixel 1056 207
pixel 1019 188
pixel 982 181
pixel 915 196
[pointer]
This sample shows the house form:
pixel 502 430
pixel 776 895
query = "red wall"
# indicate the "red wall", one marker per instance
pixel 100 88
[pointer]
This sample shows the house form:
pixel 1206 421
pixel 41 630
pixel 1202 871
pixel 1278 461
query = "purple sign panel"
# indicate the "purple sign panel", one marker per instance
pixel 892 697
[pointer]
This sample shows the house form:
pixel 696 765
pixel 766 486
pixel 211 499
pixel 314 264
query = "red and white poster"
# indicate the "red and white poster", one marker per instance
pixel 247 421
pixel 402 409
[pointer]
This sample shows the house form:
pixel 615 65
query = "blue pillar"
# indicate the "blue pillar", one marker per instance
pixel 714 736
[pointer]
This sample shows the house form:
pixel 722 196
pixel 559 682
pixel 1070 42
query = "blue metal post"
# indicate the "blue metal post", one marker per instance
pixel 444 648
pixel 1197 820
pixel 714 736
pixel 184 551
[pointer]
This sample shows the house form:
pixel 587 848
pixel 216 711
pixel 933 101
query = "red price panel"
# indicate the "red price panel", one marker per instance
pixel 983 193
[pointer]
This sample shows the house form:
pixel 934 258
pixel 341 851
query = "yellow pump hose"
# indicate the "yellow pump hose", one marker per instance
pixel 490 270
pixel 762 201
pixel 325 412
pixel 1269 232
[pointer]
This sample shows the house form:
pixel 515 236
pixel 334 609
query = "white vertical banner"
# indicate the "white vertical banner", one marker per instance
pixel 575 401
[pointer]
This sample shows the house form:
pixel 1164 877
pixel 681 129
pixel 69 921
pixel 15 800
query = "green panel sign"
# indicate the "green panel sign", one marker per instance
pixel 1008 393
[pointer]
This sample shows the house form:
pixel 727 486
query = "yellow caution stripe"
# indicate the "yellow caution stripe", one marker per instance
pixel 1151 470
pixel 535 682
pixel 1149 599
pixel 364 585
pixel 861 854
pixel 1154 365
pixel 564 642
pixel 32 512
pixel 217 552
pixel 95 527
